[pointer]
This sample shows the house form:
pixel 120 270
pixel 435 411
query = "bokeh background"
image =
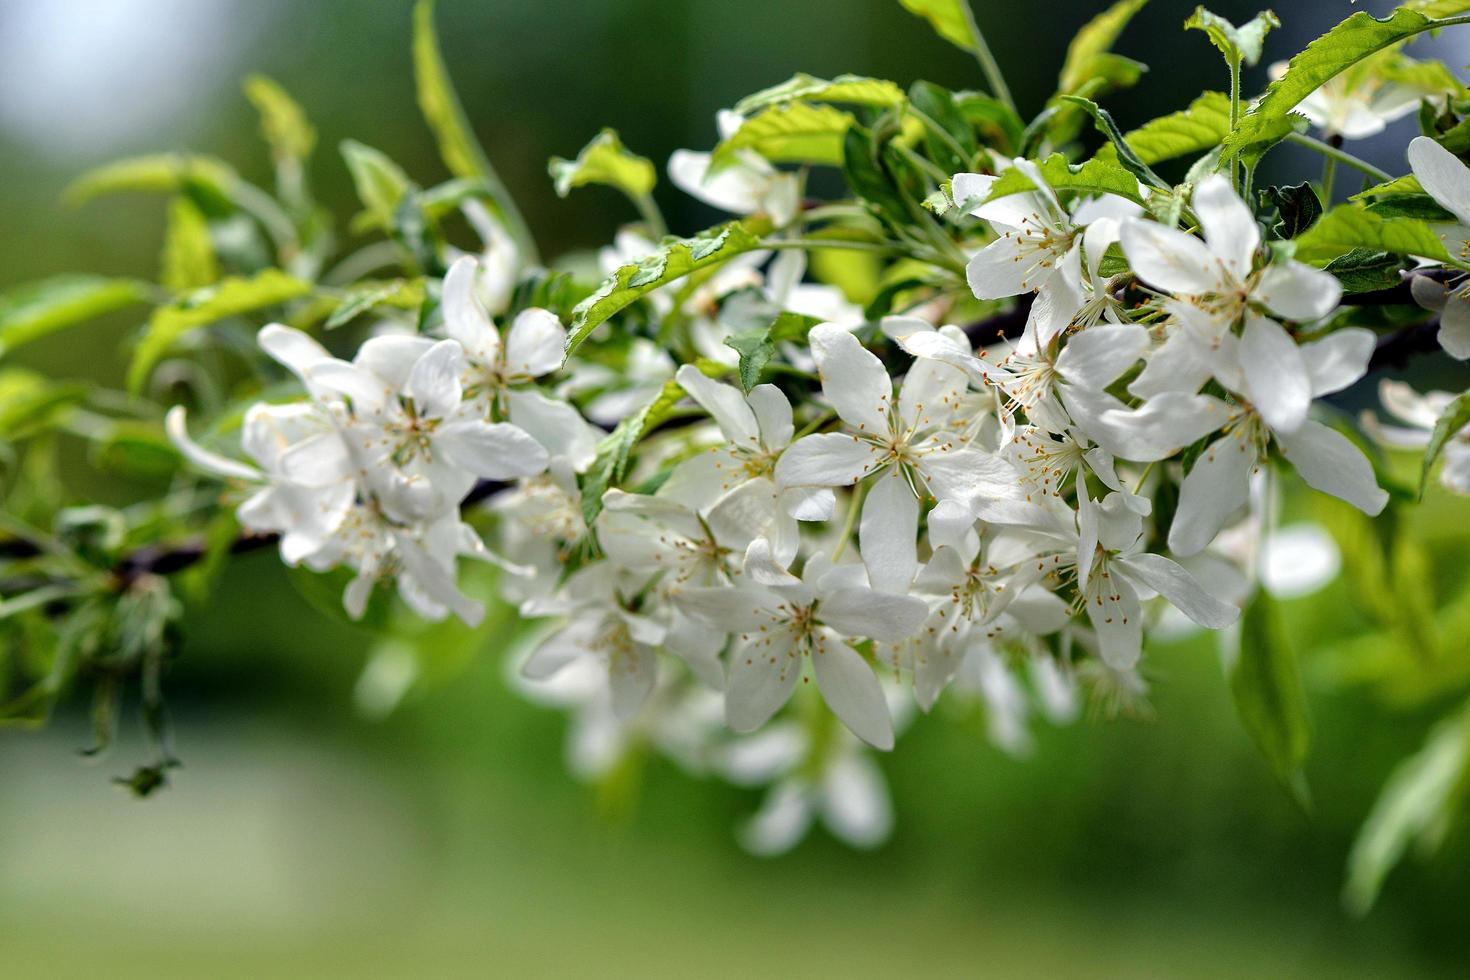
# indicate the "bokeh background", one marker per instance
pixel 307 837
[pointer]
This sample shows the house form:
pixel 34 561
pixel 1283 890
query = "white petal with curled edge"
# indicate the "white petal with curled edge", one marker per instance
pixel 1217 487
pixel 853 379
pixel 829 459
pixel 1280 387
pixel 1162 426
pixel 1167 259
pixel 536 343
pixel 290 348
pixel 1339 359
pixel 631 673
pixel 1113 608
pixel 736 189
pixel 1097 357
pixel 392 356
pixel 178 434
pixel 887 533
pixel 879 615
pixel 855 803
pixel 772 415
pixel 558 426
pixel 1230 229
pixel 851 690
pixel 491 450
pixel 1442 175
pixel 1179 587
pixel 952 524
pixel 763 673
pixel 1329 462
pixel 971 187
pixel 809 503
pixel 1297 291
pixel 465 320
pixel 724 403
pixel 317 461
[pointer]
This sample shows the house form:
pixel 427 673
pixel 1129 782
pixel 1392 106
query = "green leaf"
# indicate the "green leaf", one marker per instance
pixel 1402 197
pixel 675 258
pixel 1093 177
pixel 188 260
pixel 1201 126
pixel 949 18
pixel 402 294
pixel 1354 39
pixel 230 297
pixel 605 161
pixel 1237 44
pixel 461 152
pixel 956 153
pixel 1296 204
pixel 1126 155
pixel 795 132
pixel 34 310
pixel 1350 226
pixel 381 184
pixel 1366 270
pixel 844 89
pixel 756 347
pixel 282 122
pixel 1454 418
pixel 29 400
pixel 1417 803
pixel 166 172
pixel 1266 684
pixel 616 448
pixel 1094 40
pixel 998 123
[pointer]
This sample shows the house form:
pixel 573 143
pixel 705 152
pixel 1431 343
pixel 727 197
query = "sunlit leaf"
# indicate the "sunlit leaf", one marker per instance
pixel 1237 44
pixel 794 132
pixel 231 297
pixel 1093 177
pixel 675 258
pixel 1350 226
pixel 845 89
pixel 949 18
pixel 381 184
pixel 605 161
pixel 1200 127
pixel 283 123
pixel 34 310
pixel 188 260
pixel 1091 42
pixel 165 172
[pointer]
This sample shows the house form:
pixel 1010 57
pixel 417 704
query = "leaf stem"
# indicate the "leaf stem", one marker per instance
pixel 1332 152
pixel 988 65
pixel 651 215
pixel 1234 119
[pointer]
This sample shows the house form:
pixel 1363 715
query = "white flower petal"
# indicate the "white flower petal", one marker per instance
pixel 1115 613
pixel 1329 462
pixel 491 450
pixel 772 415
pixel 887 533
pixel 1442 175
pixel 631 672
pixel 853 379
pixel 851 690
pixel 763 673
pixel 536 343
pixel 725 404
pixel 1096 357
pixel 855 803
pixel 1339 359
pixel 1297 291
pixel 1230 229
pixel 1280 387
pixel 1168 259
pixel 465 320
pixel 879 615
pixel 1454 326
pixel 433 383
pixel 829 459
pixel 1175 584
pixel 178 433
pixel 1216 487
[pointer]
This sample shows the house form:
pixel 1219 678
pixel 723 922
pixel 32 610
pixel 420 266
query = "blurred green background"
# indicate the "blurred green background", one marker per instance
pixel 303 839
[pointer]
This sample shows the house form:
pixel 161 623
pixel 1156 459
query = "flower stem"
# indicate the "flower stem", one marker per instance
pixel 651 215
pixel 854 506
pixel 1333 153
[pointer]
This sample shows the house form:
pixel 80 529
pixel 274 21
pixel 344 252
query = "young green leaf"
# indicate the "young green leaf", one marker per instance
pixel 1126 156
pixel 675 259
pixel 948 135
pixel 1349 42
pixel 1366 270
pixel 1416 804
pixel 1297 206
pixel 283 123
pixel 231 297
pixel 756 347
pixel 188 260
pixel 1200 127
pixel 1350 226
pixel 794 132
pixel 1093 177
pixel 844 89
pixel 1237 44
pixel 605 161
pixel 381 184
pixel 1092 42
pixel 949 19
pixel 1454 418
pixel 400 294
pixel 1266 684
pixel 29 401
pixel 33 310
pixel 166 172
